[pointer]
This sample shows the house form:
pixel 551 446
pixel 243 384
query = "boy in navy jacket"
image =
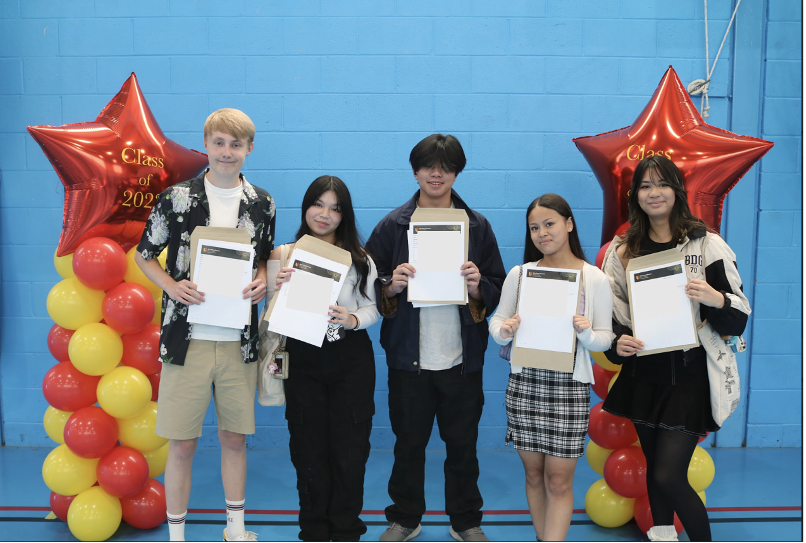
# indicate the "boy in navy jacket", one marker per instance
pixel 435 354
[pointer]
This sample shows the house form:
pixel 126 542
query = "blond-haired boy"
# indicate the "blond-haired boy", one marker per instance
pixel 197 358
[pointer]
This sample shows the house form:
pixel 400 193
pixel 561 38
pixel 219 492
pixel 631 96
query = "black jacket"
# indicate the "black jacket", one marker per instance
pixel 400 332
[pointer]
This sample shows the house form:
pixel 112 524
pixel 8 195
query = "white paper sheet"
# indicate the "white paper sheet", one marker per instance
pixel 301 309
pixel 436 250
pixel 222 269
pixel 547 304
pixel 661 309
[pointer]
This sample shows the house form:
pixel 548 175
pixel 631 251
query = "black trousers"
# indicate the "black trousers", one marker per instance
pixel 329 408
pixel 456 399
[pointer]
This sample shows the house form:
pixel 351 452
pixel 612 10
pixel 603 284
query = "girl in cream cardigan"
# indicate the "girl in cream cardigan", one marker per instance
pixel 548 410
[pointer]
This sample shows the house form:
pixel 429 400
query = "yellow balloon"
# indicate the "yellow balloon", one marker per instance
pixel 54 422
pixel 701 469
pixel 94 515
pixel 701 494
pixel 95 349
pixel 606 508
pixel 138 431
pixel 597 456
pixel 63 265
pixel 602 360
pixel 71 305
pixel 157 308
pixel 612 381
pixel 135 275
pixel 66 473
pixel 156 461
pixel 124 392
pixel 163 258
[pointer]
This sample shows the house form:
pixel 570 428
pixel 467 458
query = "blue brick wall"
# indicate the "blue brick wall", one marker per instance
pixel 774 406
pixel 348 88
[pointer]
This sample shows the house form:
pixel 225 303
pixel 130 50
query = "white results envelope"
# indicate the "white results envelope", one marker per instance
pixel 437 251
pixel 547 304
pixel 221 270
pixel 662 315
pixel 300 308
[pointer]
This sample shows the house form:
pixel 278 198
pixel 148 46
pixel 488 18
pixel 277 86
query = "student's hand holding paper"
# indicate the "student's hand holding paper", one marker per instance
pixel 185 292
pixel 341 315
pixel 283 277
pixel 400 279
pixel 581 323
pixel 700 291
pixel 473 275
pixel 510 326
pixel 628 345
pixel 255 290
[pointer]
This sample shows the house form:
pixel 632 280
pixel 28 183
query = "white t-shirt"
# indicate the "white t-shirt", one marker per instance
pixel 224 206
pixel 440 337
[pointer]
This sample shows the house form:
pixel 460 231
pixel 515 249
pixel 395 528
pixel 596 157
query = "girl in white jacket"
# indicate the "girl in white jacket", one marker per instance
pixel 548 410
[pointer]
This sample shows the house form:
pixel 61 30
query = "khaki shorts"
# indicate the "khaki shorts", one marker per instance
pixel 185 391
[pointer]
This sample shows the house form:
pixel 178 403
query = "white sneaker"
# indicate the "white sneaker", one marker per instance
pixel 396 532
pixel 243 536
pixel 662 533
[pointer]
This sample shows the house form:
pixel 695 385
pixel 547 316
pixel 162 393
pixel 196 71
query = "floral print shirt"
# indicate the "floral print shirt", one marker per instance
pixel 177 211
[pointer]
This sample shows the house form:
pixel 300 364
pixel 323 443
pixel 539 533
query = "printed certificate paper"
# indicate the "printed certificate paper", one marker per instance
pixel 436 250
pixel 661 313
pixel 548 301
pixel 300 309
pixel 221 270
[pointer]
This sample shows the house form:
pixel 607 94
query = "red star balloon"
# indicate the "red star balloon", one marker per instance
pixel 712 160
pixel 113 169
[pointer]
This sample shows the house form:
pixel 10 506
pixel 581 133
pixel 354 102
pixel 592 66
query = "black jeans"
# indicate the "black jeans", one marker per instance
pixel 329 408
pixel 456 399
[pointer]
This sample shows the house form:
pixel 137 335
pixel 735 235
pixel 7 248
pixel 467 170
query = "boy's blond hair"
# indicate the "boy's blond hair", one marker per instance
pixel 230 121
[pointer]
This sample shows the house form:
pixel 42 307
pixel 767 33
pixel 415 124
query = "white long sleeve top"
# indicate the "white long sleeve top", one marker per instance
pixel 598 309
pixel 350 297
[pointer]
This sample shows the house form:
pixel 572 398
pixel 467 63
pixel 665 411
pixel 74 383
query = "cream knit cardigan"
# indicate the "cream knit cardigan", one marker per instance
pixel 598 310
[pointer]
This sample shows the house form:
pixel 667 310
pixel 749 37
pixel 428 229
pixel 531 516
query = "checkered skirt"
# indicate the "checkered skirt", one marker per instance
pixel 547 412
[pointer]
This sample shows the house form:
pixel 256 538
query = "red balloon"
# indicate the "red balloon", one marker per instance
pixel 58 340
pixel 621 229
pixel 99 263
pixel 601 254
pixel 113 169
pixel 602 378
pixel 643 515
pixel 146 509
pixel 60 504
pixel 122 472
pixel 703 438
pixel 68 389
pixel 141 350
pixel 128 307
pixel 609 431
pixel 625 472
pixel 90 432
pixel 712 160
pixel 155 385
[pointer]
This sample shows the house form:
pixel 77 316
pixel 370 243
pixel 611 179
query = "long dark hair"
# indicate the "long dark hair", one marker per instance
pixel 347 236
pixel 681 220
pixel 557 203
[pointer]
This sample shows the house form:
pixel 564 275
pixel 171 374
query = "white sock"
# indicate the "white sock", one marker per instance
pixel 176 526
pixel 235 518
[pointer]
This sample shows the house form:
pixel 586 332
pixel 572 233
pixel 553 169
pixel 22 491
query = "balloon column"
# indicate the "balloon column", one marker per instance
pixel 103 388
pixel 110 363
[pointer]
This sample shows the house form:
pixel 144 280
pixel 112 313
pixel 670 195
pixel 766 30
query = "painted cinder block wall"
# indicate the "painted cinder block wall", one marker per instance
pixel 348 87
